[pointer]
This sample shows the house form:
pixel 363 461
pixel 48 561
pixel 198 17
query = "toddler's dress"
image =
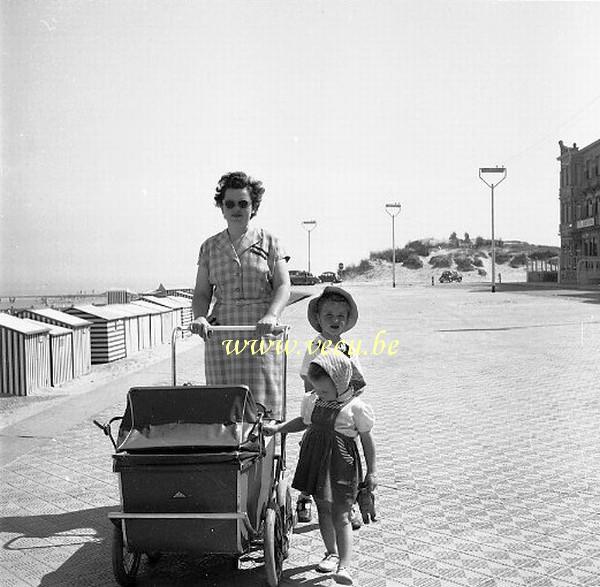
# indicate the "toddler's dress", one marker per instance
pixel 329 466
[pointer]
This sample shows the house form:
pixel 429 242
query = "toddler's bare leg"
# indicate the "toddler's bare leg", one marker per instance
pixel 326 526
pixel 343 532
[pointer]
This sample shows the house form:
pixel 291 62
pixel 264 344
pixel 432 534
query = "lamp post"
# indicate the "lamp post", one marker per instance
pixel 309 225
pixel 393 210
pixel 498 174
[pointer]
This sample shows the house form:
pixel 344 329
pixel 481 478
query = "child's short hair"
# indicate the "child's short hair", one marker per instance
pixel 332 297
pixel 316 372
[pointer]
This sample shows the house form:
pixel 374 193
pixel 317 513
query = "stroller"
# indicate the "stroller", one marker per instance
pixel 197 475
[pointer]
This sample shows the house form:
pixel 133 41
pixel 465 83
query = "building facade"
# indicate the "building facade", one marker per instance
pixel 579 214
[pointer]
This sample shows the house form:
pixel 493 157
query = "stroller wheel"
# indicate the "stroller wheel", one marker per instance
pixel 273 545
pixel 125 563
pixel 284 501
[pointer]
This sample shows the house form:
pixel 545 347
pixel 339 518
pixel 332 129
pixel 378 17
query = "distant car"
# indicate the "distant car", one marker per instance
pixel 302 278
pixel 449 276
pixel 329 277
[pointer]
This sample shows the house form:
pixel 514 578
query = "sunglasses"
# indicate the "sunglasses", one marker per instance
pixel 231 204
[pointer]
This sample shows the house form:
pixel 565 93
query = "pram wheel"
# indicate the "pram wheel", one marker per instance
pixel 273 545
pixel 284 501
pixel 125 563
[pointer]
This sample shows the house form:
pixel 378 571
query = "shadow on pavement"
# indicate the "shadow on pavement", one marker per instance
pixel 297 296
pixel 82 540
pixel 585 297
pixel 589 295
pixel 47 539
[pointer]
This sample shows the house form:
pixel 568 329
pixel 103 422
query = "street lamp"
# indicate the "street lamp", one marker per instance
pixel 309 225
pixel 498 175
pixel 393 210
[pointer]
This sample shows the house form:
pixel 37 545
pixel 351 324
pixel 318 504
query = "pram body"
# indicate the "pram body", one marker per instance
pixel 197 475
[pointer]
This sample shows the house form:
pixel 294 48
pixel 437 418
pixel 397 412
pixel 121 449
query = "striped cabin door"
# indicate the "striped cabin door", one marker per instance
pixel 61 358
pixel 82 358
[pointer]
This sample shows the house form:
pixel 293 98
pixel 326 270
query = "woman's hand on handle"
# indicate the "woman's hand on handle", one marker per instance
pixel 266 325
pixel 200 326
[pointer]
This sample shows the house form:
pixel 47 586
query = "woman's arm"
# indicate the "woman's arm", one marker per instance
pixel 201 302
pixel 281 295
pixel 368 445
pixel 295 425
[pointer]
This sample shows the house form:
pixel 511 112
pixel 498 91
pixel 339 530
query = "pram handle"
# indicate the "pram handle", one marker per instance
pixel 106 428
pixel 278 329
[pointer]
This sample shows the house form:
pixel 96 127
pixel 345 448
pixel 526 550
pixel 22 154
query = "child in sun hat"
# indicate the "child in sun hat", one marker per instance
pixel 329 466
pixel 331 314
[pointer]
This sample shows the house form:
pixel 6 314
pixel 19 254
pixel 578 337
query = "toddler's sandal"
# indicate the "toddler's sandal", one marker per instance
pixel 329 563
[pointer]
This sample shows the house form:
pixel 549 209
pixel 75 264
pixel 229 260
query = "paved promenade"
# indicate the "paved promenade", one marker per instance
pixel 488 439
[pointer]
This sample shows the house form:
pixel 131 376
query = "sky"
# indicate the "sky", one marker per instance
pixel 118 118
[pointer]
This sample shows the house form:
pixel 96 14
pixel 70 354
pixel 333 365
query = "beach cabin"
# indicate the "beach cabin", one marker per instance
pixel 107 331
pixel 186 309
pixel 165 302
pixel 120 296
pixel 131 325
pixel 80 337
pixel 139 323
pixel 161 321
pixel 61 353
pixel 24 355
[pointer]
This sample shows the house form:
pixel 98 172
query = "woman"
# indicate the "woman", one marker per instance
pixel 244 269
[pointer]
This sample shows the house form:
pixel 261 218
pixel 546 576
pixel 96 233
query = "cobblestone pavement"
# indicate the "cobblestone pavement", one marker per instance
pixel 487 436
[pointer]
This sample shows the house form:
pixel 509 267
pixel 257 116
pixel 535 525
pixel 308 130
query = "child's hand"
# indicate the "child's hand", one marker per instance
pixel 371 481
pixel 270 429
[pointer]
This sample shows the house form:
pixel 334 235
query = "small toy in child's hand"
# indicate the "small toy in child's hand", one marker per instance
pixel 366 503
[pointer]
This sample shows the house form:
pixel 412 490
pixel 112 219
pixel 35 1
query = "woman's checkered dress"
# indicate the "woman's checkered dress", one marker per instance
pixel 242 291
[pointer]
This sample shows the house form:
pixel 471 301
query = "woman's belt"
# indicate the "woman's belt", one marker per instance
pixel 241 302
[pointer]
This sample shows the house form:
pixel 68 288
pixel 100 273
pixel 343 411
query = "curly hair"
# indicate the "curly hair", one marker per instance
pixel 239 180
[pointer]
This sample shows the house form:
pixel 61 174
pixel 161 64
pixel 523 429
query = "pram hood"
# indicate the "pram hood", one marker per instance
pixel 189 418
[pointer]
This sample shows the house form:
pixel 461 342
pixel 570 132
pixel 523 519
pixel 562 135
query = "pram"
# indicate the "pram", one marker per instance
pixel 197 475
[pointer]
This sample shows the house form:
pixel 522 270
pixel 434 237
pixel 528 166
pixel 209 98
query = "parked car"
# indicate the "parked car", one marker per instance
pixel 302 278
pixel 329 277
pixel 449 276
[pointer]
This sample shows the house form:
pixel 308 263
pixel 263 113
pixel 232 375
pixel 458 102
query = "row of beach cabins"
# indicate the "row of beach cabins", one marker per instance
pixel 46 347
